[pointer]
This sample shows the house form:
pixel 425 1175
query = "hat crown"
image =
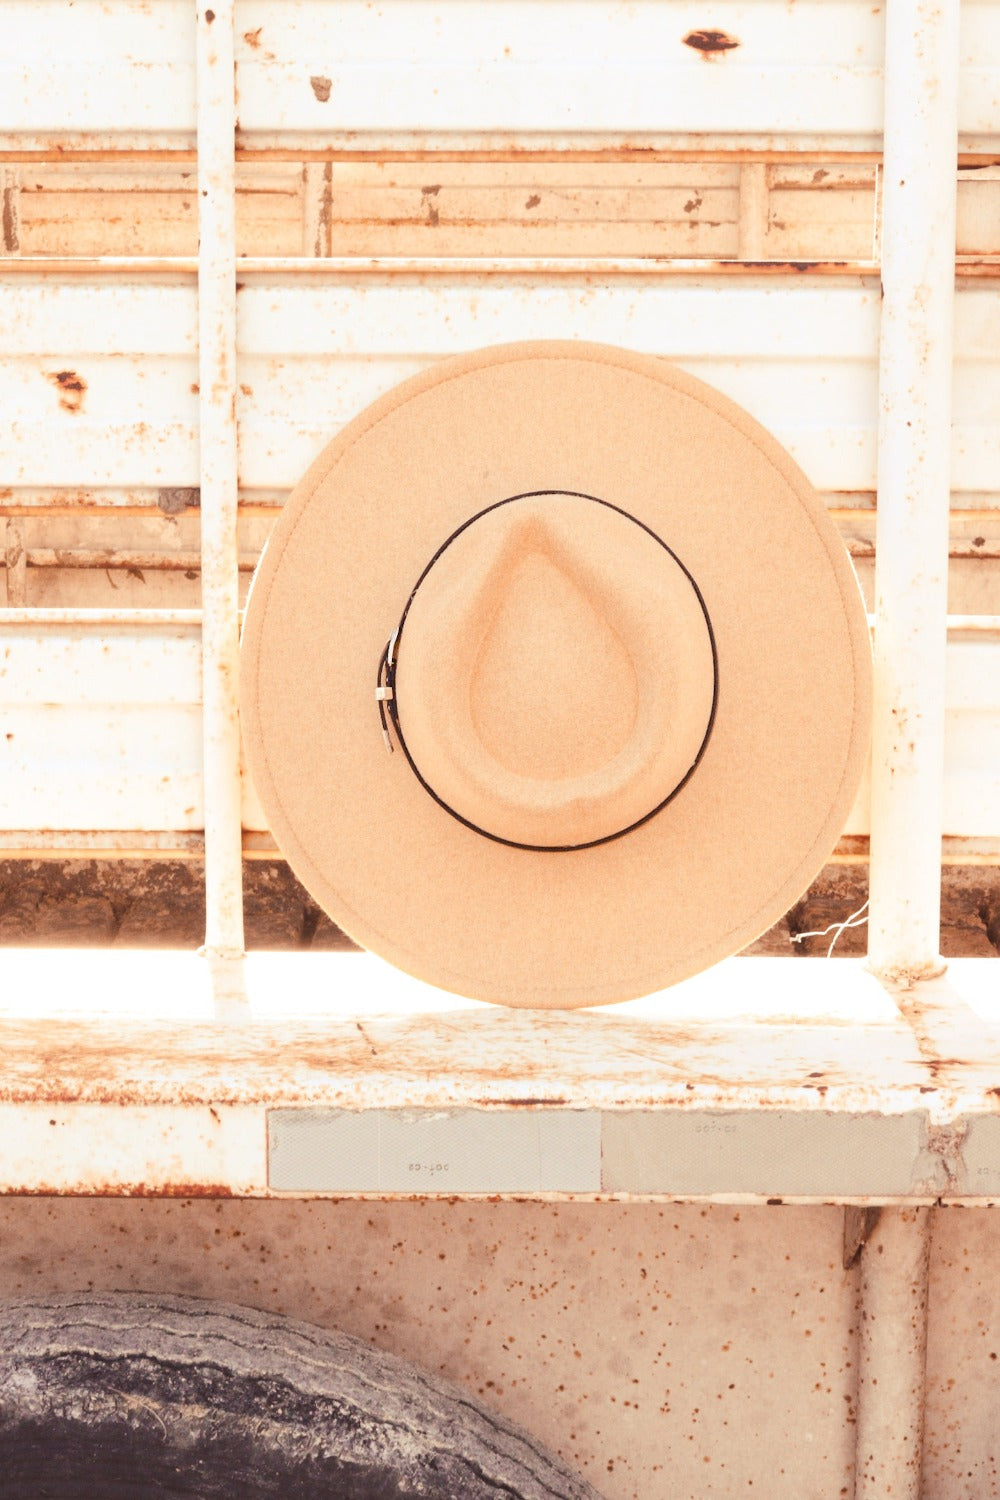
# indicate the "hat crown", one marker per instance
pixel 553 690
pixel 555 678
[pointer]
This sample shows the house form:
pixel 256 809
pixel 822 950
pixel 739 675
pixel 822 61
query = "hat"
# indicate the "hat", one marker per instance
pixel 556 677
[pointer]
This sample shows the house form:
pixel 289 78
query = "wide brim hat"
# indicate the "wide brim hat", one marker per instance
pixel 556 677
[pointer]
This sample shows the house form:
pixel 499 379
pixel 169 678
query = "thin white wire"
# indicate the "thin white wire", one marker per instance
pixel 836 928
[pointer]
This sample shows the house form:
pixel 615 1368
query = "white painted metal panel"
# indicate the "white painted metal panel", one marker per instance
pixel 129 315
pixel 972 733
pixel 809 1082
pixel 971 799
pixel 104 725
pixel 97 66
pixel 802 358
pixel 349 71
pixel 100 721
pixel 802 361
pixel 532 66
pixel 134 347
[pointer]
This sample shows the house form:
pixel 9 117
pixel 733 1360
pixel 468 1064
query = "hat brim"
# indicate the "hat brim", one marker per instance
pixel 742 840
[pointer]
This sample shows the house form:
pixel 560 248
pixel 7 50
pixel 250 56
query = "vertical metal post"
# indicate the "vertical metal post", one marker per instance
pixel 911 566
pixel 892 1356
pixel 219 576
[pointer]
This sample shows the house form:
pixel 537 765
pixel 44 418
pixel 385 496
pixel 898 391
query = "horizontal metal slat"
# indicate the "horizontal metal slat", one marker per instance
pixel 801 357
pixel 102 552
pixel 99 726
pixel 100 721
pixel 476 69
pixel 498 66
pixel 94 67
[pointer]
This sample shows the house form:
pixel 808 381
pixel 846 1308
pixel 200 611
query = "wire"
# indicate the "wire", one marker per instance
pixel 835 927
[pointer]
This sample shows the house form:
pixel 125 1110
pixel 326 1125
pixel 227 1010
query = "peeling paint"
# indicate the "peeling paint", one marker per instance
pixel 11 234
pixel 711 43
pixel 71 387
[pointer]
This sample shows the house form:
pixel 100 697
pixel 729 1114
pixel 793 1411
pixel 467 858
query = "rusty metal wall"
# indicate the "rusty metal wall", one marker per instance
pixel 668 1349
pixel 718 199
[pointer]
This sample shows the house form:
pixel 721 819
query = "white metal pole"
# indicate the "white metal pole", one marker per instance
pixel 892 1356
pixel 911 566
pixel 219 561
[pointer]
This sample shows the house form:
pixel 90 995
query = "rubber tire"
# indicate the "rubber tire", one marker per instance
pixel 126 1394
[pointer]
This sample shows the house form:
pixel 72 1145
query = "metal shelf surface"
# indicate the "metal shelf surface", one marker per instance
pixel 762 1079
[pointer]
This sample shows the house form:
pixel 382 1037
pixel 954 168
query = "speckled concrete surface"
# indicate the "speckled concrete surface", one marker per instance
pixel 962 1440
pixel 664 1350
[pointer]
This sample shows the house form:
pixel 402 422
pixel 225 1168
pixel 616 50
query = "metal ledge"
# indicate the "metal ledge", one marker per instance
pixel 762 1079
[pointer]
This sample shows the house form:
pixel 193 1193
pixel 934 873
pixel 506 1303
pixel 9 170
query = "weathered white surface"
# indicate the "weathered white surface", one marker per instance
pixel 759 1079
pixel 312 353
pixel 100 721
pixel 99 726
pixel 218 484
pixel 916 360
pixel 341 73
pixel 97 68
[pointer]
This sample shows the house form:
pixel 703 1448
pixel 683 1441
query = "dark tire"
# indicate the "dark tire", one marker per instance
pixel 133 1395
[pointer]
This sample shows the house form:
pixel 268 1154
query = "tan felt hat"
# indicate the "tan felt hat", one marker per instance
pixel 615 647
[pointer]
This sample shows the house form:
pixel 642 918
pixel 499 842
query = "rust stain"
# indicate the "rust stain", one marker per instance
pixel 796 265
pixel 321 87
pixel 711 43
pixel 71 387
pixel 123 1190
pixel 210 16
pixel 252 38
pixel 173 501
pixel 11 239
pixel 533 201
pixel 540 1101
pixel 323 244
pixel 433 213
